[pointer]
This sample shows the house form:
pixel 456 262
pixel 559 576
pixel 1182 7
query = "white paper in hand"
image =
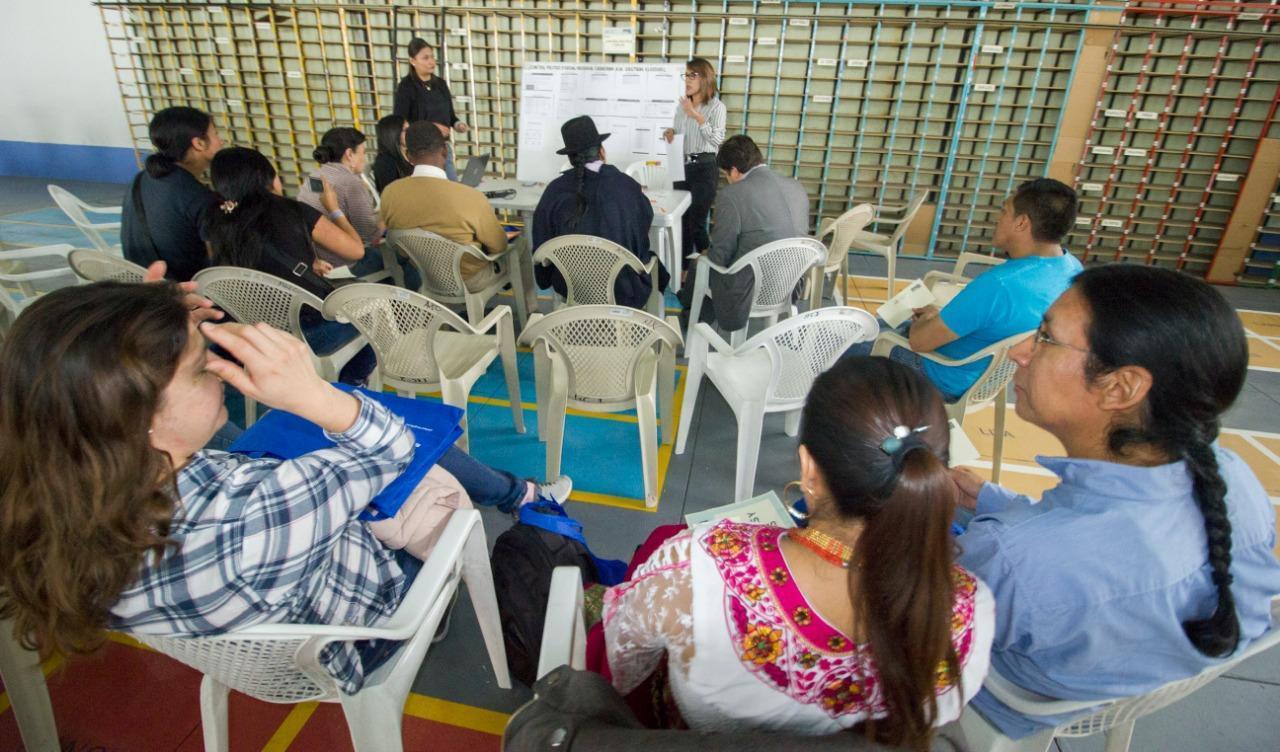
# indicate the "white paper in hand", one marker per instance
pixel 765 509
pixel 899 308
pixel 961 449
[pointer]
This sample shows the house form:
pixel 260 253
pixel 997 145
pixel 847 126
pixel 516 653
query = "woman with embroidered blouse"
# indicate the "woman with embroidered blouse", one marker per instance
pixel 860 618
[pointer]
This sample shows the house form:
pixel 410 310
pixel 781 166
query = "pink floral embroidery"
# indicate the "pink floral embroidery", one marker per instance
pixel 790 647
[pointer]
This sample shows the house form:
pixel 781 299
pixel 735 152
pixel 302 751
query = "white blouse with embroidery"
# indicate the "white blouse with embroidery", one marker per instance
pixel 746 650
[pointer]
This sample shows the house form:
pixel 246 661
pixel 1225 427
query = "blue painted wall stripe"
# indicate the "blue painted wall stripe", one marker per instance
pixel 100 164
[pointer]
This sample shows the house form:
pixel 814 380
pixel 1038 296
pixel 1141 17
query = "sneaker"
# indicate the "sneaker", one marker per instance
pixel 557 490
pixel 442 629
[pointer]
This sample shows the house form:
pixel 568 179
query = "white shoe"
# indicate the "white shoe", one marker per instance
pixel 557 490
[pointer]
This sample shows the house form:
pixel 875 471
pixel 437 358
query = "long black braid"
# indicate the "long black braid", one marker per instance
pixel 1185 334
pixel 579 163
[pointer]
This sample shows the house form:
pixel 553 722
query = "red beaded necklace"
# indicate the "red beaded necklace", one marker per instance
pixel 825 546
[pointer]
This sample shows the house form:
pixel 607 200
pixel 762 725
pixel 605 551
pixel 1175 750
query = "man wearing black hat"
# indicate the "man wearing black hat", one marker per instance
pixel 597 199
pixel 428 200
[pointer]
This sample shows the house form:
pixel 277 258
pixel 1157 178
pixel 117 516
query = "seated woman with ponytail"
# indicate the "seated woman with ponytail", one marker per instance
pixel 166 203
pixel 258 228
pixel 862 619
pixel 1152 558
pixel 595 198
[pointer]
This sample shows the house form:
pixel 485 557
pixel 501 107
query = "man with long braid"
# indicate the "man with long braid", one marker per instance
pixel 595 198
pixel 1152 559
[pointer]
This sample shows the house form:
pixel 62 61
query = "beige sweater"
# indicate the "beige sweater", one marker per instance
pixel 452 210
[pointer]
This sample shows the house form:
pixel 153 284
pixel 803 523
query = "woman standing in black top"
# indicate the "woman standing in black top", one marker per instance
pixel 390 164
pixel 422 95
pixel 256 227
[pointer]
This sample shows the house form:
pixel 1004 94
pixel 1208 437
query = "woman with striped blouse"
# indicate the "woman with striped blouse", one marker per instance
pixel 700 119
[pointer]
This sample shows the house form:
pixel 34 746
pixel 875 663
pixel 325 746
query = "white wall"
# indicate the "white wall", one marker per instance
pixel 58 84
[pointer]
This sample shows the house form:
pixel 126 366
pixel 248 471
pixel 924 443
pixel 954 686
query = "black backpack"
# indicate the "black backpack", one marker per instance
pixel 523 558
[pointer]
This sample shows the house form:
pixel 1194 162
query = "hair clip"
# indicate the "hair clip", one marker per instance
pixel 228 206
pixel 893 443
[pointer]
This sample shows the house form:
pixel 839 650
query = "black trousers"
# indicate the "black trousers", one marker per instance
pixel 700 179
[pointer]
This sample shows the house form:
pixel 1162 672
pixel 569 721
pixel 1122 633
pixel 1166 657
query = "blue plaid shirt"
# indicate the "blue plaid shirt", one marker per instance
pixel 270 541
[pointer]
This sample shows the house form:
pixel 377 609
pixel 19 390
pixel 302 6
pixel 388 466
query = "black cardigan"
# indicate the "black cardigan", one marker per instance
pixel 416 100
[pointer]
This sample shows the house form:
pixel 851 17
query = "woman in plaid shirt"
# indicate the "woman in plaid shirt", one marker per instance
pixel 112 516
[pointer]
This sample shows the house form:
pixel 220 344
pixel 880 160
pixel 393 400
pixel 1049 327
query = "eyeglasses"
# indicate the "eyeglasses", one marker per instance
pixel 1042 337
pixel 690 74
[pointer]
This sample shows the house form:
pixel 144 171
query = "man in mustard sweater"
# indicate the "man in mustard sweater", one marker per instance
pixel 428 200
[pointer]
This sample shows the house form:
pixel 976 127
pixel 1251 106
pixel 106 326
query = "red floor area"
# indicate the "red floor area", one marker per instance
pixel 126 699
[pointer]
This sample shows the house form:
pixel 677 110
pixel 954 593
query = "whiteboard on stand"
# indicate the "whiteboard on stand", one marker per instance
pixel 633 103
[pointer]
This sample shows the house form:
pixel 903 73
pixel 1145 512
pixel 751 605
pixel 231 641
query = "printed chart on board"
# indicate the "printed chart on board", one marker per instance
pixel 633 103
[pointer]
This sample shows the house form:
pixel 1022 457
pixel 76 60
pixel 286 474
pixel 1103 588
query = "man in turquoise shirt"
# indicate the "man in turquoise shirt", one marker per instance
pixel 1007 299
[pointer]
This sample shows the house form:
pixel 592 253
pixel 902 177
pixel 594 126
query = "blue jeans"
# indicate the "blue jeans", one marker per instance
pixel 487 486
pixel 450 171
pixel 904 355
pixel 326 336
pixel 372 262
pixel 225 437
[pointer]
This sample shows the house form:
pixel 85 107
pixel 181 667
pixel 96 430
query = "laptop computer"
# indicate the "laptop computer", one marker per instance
pixel 473 173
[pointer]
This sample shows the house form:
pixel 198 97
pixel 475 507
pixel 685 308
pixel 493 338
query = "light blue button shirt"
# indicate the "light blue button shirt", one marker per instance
pixel 1092 583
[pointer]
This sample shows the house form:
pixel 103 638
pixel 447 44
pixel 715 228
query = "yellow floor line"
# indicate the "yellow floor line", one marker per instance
pixel 456 714
pixel 290 727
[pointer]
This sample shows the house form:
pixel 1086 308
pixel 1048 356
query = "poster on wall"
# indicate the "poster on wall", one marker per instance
pixel 633 102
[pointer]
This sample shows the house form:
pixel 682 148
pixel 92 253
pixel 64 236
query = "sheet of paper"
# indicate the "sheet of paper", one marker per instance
pixel 664 86
pixel 675 158
pixel 961 449
pixel 539 106
pixel 899 308
pixel 643 144
pixel 765 509
pixel 630 108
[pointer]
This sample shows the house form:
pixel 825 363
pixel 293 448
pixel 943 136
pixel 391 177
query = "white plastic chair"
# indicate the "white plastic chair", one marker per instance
pixel 17 285
pixel 946 285
pixel 653 177
pixel 651 174
pixel 1115 718
pixel 564 634
pixel 96 266
pixel 28 693
pixel 841 230
pixel 889 246
pixel 439 261
pixel 250 296
pixel 591 265
pixel 75 209
pixel 605 359
pixel 423 346
pixel 777 268
pixel 771 372
pixel 991 385
pixel 280 662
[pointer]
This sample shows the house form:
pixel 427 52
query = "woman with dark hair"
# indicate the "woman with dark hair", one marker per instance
pixel 862 618
pixel 700 118
pixel 166 203
pixel 342 159
pixel 390 164
pixel 1152 558
pixel 595 198
pixel 422 95
pixel 115 518
pixel 257 228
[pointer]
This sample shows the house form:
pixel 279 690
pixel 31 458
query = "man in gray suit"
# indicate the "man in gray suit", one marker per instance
pixel 758 206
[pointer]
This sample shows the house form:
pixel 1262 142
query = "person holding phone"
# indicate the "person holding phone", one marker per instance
pixel 701 120
pixel 342 157
pixel 422 95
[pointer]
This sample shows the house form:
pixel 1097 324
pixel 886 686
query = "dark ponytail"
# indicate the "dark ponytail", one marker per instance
pixel 1140 316
pixel 336 142
pixel 250 215
pixel 171 132
pixel 579 162
pixel 901 578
